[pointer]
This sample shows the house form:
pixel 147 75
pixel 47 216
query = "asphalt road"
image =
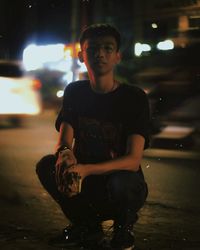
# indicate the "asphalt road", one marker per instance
pixel 28 216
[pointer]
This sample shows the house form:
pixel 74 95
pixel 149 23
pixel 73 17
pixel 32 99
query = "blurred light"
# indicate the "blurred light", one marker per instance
pixel 61 57
pixel 154 25
pixel 147 90
pixel 36 84
pixel 19 93
pixel 30 58
pixel 72 49
pixel 165 45
pixel 25 102
pixel 60 93
pixel 77 48
pixel 63 65
pixel 35 56
pixel 82 67
pixel 19 108
pixel 68 52
pixel 141 47
pixel 68 77
pixel 178 129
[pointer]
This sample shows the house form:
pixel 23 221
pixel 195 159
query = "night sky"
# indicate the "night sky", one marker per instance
pixel 39 21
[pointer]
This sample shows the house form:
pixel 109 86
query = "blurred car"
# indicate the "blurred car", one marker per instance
pixel 19 94
pixel 170 78
pixel 53 83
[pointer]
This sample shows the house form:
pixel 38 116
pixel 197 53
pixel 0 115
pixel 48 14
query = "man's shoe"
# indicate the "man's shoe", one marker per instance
pixel 92 237
pixel 123 238
pixel 77 235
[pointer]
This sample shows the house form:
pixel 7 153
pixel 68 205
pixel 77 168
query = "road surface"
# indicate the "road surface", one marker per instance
pixel 169 219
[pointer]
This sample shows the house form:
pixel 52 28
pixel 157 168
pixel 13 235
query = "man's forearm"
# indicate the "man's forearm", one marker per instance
pixel 65 137
pixel 123 163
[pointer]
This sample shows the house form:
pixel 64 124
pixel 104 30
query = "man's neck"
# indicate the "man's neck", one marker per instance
pixel 103 84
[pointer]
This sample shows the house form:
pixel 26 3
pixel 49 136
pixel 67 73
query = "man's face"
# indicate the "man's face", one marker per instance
pixel 100 55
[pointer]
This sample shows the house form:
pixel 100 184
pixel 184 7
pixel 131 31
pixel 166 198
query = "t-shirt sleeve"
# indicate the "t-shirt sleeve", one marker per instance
pixel 66 113
pixel 139 123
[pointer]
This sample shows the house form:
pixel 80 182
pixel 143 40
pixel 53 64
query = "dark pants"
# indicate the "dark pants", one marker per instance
pixel 116 196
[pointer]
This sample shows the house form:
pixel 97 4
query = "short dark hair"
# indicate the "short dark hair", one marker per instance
pixel 99 30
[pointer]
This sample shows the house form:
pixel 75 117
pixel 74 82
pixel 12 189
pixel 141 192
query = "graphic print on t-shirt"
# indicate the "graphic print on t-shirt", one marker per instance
pixel 98 140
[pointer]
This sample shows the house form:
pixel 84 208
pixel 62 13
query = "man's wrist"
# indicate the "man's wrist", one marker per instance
pixel 61 148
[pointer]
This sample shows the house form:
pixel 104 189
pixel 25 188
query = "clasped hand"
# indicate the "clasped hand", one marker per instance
pixel 65 162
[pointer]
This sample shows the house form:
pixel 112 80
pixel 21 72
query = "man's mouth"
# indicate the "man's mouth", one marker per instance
pixel 100 62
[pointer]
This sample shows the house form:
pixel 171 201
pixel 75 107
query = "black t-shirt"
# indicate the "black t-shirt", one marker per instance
pixel 103 122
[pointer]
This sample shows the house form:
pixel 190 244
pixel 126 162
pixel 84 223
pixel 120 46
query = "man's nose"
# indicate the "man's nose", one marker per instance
pixel 100 51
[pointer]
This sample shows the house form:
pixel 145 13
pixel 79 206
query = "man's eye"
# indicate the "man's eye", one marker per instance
pixel 92 48
pixel 108 49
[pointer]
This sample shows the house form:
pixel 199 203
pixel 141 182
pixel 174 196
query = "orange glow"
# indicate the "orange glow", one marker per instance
pixel 37 84
pixel 72 50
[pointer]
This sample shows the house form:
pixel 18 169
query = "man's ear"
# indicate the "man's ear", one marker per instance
pixel 119 57
pixel 80 56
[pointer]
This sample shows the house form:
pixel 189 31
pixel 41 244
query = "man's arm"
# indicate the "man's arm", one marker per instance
pixel 131 161
pixel 66 136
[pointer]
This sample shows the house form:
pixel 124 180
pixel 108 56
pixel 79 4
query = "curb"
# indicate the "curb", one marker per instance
pixel 175 154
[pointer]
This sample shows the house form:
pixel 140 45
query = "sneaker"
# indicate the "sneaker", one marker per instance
pixel 76 236
pixel 123 238
pixel 92 237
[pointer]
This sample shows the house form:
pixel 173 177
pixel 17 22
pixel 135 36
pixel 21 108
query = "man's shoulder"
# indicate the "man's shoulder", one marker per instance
pixel 132 89
pixel 76 88
pixel 78 84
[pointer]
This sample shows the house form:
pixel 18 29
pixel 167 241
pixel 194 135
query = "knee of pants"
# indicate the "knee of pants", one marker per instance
pixel 125 186
pixel 45 165
pixel 46 175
